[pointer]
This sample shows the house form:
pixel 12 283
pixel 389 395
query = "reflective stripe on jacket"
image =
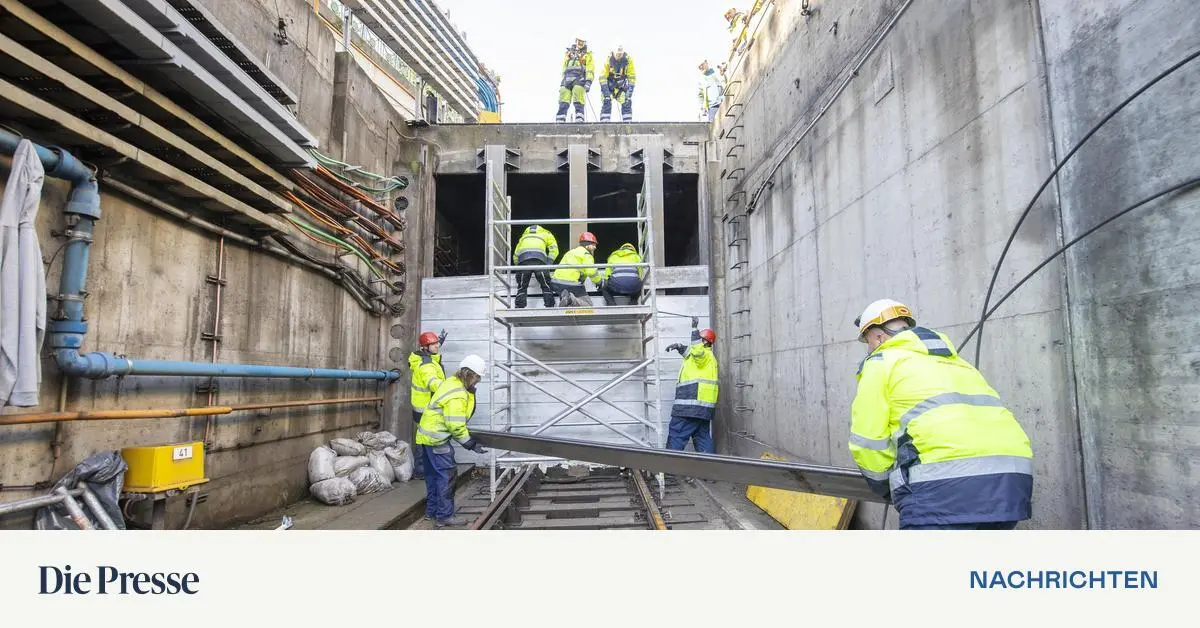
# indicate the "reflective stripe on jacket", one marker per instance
pixel 536 243
pixel 696 391
pixel 627 256
pixel 579 63
pixel 619 70
pixel 927 428
pixel 447 414
pixel 577 255
pixel 427 374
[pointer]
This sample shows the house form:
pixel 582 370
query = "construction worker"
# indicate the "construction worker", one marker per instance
pixel 695 393
pixel 712 91
pixel 621 280
pixel 577 75
pixel 425 365
pixel 537 247
pixel 568 283
pixel 446 418
pixel 616 82
pixel 930 434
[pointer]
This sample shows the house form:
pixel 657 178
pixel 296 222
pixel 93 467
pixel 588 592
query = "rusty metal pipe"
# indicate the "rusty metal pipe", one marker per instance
pixel 95 415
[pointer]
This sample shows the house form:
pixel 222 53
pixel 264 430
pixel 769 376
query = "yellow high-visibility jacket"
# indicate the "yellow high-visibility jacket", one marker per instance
pixel 574 59
pixel 619 70
pixel 427 375
pixel 697 388
pixel 447 414
pixel 624 255
pixel 536 243
pixel 927 430
pixel 577 255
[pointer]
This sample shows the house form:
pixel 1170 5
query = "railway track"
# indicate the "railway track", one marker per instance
pixel 603 499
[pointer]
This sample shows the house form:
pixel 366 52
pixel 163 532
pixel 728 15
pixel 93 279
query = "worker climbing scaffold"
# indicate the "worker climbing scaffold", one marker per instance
pixel 577 75
pixel 617 80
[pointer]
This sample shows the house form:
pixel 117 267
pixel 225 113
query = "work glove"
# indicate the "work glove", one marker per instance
pixel 587 86
pixel 442 337
pixel 695 323
pixel 677 347
pixel 629 89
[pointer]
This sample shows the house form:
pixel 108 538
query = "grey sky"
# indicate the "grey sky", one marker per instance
pixel 666 38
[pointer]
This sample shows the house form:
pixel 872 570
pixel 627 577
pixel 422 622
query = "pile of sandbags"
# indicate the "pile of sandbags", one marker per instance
pixel 345 468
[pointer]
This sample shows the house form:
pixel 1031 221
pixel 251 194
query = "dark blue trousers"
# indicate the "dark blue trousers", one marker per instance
pixel 684 429
pixel 991 525
pixel 439 481
pixel 417 450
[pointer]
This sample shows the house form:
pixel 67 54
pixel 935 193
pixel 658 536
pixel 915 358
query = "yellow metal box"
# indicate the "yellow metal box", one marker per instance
pixel 159 468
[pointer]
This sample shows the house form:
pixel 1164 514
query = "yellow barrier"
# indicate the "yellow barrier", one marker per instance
pixel 802 511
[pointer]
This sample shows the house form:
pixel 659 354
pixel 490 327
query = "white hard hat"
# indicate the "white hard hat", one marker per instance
pixel 880 312
pixel 475 363
pixel 620 48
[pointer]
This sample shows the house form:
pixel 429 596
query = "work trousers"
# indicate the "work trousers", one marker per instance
pixel 439 481
pixel 614 89
pixel 571 91
pixel 991 525
pixel 683 429
pixel 557 287
pixel 618 287
pixel 543 279
pixel 418 456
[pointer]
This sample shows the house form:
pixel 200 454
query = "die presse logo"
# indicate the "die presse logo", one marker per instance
pixel 108 580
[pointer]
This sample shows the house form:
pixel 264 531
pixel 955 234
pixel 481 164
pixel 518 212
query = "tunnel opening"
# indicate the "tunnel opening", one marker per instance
pixel 541 196
pixel 459 225
pixel 613 195
pixel 681 218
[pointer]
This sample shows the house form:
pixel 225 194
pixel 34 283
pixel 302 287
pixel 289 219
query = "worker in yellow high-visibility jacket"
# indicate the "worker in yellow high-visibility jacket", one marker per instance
pixel 617 81
pixel 577 75
pixel 446 418
pixel 568 283
pixel 426 374
pixel 537 247
pixel 695 393
pixel 619 280
pixel 930 434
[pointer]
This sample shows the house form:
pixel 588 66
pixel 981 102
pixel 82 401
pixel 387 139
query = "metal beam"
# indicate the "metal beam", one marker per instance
pixel 577 167
pixel 790 476
pixel 653 189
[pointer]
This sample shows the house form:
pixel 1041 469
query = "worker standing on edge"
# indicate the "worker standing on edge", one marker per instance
pixel 930 434
pixel 568 283
pixel 616 82
pixel 621 280
pixel 712 91
pixel 446 417
pixel 577 75
pixel 537 247
pixel 695 393
pixel 425 366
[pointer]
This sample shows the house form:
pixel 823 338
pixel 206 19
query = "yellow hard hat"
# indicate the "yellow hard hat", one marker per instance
pixel 880 312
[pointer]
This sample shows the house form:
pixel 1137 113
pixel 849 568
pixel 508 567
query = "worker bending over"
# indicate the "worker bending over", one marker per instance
pixel 537 247
pixel 695 393
pixel 625 281
pixel 616 82
pixel 577 75
pixel 446 418
pixel 568 283
pixel 425 367
pixel 930 434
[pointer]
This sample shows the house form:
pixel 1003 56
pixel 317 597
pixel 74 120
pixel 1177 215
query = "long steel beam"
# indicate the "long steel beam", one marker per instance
pixel 806 478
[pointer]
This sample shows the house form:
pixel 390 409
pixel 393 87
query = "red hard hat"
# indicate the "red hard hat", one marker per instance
pixel 427 338
pixel 708 336
pixel 589 237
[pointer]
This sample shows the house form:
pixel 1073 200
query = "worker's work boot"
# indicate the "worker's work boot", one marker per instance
pixel 520 301
pixel 548 299
pixel 452 522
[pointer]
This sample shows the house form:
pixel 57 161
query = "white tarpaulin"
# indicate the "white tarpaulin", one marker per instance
pixel 22 282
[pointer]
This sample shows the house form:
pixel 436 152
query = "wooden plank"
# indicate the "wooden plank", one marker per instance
pixel 37 106
pixel 802 511
pixel 26 56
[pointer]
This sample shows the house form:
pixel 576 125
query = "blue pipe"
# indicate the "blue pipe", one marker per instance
pixel 68 330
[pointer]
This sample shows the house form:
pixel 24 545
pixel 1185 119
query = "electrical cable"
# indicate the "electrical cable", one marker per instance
pixel 353 249
pixel 1029 208
pixel 987 314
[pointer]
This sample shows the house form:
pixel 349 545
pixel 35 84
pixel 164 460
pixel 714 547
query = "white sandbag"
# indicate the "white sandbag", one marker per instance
pixel 378 461
pixel 320 465
pixel 347 447
pixel 335 491
pixel 401 457
pixel 344 465
pixel 367 480
pixel 377 440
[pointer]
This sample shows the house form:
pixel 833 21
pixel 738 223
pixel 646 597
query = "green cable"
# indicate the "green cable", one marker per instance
pixel 315 231
pixel 326 160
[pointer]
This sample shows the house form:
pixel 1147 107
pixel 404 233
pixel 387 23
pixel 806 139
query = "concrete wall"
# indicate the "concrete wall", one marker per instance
pixel 908 185
pixel 149 299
